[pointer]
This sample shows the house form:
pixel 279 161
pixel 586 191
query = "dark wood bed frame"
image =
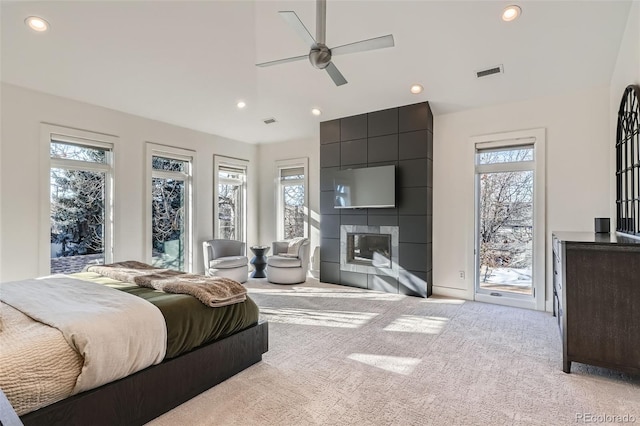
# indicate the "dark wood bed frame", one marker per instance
pixel 145 395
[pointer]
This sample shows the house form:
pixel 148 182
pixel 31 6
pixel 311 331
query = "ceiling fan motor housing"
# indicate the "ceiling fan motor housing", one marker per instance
pixel 320 56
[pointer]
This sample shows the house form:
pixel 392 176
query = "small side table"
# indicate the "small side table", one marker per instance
pixel 259 261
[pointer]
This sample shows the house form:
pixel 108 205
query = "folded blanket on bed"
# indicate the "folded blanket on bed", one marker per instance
pixel 212 291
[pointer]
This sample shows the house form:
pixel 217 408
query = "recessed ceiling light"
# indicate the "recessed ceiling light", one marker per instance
pixel 315 111
pixel 241 104
pixel 416 88
pixel 37 24
pixel 511 13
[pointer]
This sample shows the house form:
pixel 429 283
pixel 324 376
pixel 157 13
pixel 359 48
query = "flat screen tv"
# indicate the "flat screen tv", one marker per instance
pixel 371 187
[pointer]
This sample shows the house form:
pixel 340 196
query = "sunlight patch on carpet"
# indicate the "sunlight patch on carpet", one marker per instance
pixel 325 318
pixel 394 364
pixel 418 324
pixel 330 293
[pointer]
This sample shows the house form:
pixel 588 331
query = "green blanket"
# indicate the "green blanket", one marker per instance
pixel 189 322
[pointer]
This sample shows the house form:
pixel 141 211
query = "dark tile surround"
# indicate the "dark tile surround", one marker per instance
pixel 401 136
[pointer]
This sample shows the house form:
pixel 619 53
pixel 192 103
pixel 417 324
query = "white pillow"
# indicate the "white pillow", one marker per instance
pixel 294 246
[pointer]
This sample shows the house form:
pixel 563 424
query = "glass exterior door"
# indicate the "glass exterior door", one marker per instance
pixel 505 222
pixel 506 232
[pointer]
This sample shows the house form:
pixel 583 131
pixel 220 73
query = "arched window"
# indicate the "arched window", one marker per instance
pixel 628 163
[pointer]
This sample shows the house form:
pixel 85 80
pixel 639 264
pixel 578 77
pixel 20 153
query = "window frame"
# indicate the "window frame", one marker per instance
pixel 525 138
pixel 234 163
pixel 50 133
pixel 158 150
pixel 293 163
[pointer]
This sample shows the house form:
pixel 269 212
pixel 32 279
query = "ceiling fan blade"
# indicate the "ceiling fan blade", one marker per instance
pixel 335 75
pixel 282 61
pixel 364 45
pixel 297 25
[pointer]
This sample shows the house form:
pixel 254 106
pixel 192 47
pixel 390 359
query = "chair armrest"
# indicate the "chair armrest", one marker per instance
pixel 279 247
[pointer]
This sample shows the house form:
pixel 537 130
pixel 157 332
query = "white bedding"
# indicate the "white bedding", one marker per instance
pixel 116 333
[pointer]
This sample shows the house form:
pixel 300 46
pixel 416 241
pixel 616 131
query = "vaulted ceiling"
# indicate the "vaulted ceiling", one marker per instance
pixel 189 63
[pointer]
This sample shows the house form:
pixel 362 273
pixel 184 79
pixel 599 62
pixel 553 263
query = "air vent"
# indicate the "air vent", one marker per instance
pixel 489 71
pixel 269 120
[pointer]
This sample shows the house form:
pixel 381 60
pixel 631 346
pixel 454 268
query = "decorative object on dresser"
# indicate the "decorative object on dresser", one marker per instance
pixel 602 225
pixel 596 286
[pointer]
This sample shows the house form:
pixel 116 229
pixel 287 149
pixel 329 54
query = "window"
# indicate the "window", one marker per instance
pixel 628 163
pixel 509 223
pixel 230 208
pixel 292 205
pixel 80 193
pixel 171 207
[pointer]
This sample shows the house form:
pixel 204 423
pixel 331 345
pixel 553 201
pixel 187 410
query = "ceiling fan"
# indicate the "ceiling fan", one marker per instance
pixel 320 55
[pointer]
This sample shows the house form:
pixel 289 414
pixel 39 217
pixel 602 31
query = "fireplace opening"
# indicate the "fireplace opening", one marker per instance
pixel 369 249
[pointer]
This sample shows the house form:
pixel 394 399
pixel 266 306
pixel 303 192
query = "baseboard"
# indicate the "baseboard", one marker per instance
pixel 451 292
pixel 548 304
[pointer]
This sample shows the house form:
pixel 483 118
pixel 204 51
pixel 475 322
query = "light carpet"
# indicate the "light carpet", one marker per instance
pixel 345 356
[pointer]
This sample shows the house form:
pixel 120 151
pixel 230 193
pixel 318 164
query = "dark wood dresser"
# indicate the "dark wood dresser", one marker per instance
pixel 596 298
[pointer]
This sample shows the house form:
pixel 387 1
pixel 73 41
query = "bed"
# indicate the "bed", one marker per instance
pixel 200 353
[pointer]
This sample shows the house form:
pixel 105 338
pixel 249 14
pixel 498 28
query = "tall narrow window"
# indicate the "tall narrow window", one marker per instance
pixel 80 200
pixel 510 250
pixel 171 209
pixel 292 207
pixel 231 198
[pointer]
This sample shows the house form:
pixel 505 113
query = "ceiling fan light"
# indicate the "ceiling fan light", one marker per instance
pixel 416 89
pixel 36 23
pixel 511 13
pixel 316 111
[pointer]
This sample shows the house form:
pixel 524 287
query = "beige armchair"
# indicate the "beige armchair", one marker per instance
pixel 225 258
pixel 289 263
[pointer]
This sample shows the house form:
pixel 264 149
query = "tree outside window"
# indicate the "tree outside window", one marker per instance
pixel 78 198
pixel 292 199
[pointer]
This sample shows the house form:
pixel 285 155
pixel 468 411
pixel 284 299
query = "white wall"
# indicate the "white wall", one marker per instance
pixel 20 172
pixel 1 198
pixel 578 174
pixel 268 154
pixel 626 72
